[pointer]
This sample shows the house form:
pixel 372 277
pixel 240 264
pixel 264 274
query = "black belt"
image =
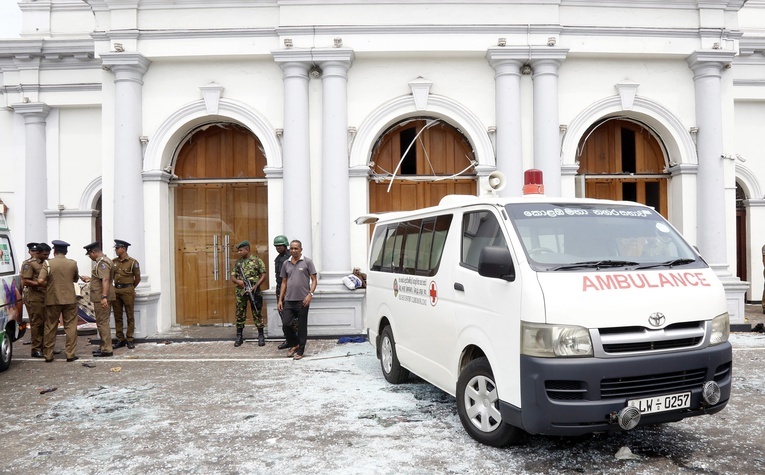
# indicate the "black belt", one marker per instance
pixel 122 286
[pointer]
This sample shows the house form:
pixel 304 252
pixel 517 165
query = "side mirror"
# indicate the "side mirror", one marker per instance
pixel 497 263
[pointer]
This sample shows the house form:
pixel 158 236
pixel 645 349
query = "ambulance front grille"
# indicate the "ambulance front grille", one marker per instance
pixel 644 340
pixel 639 386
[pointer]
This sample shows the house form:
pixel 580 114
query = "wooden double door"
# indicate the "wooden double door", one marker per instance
pixel 622 160
pixel 210 220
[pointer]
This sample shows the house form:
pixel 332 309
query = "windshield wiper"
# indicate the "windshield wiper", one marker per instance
pixel 595 264
pixel 669 263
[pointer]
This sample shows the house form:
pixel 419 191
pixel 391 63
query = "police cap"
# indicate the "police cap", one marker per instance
pixel 243 244
pixel 121 243
pixel 60 245
pixel 33 246
pixel 92 247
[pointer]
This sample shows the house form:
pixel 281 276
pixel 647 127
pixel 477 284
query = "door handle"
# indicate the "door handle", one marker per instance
pixel 226 255
pixel 458 286
pixel 215 257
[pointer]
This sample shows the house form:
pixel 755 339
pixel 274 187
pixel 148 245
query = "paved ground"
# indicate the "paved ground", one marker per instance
pixel 174 407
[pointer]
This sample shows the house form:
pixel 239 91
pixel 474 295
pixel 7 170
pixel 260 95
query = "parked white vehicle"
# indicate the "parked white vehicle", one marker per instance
pixel 549 316
pixel 12 326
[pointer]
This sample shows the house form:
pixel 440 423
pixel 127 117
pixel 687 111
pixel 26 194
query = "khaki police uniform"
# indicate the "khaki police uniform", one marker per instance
pixel 34 299
pixel 125 273
pixel 102 269
pixel 60 300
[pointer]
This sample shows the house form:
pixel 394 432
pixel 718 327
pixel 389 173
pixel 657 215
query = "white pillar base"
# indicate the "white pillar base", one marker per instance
pixel 334 312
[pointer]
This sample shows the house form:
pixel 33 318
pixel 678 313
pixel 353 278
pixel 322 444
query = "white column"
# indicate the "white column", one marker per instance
pixel 507 65
pixel 335 182
pixel 296 152
pixel 128 69
pixel 35 176
pixel 707 67
pixel 545 63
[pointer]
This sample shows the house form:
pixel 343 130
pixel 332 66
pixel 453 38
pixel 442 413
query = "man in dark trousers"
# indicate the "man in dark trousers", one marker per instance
pixel 101 294
pixel 281 243
pixel 127 276
pixel 58 276
pixel 296 294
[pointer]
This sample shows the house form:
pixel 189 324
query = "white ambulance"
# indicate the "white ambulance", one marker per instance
pixel 12 326
pixel 548 316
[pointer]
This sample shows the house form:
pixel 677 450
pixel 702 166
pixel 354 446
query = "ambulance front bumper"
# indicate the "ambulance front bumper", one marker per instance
pixel 574 396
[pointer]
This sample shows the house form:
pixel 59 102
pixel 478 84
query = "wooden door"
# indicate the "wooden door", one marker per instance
pixel 621 160
pixel 430 155
pixel 210 220
pixel 221 199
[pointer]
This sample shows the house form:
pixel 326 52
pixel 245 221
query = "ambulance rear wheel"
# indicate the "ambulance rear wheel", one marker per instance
pixel 478 406
pixel 6 351
pixel 391 368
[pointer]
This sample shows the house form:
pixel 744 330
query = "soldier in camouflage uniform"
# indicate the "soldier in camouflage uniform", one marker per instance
pixel 255 272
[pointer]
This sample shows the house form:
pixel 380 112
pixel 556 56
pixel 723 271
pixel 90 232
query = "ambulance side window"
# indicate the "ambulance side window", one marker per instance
pixel 6 257
pixel 432 240
pixel 479 229
pixel 410 247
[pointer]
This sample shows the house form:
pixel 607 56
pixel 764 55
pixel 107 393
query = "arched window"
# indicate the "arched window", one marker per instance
pixel 426 159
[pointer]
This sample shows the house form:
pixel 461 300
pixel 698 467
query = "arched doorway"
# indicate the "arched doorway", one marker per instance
pixel 426 159
pixel 741 234
pixel 622 160
pixel 221 199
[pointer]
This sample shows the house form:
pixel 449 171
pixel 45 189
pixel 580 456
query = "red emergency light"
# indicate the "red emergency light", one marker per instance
pixel 533 184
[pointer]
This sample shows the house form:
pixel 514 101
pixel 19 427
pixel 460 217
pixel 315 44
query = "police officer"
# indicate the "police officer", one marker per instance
pixel 251 268
pixel 127 276
pixel 60 300
pixel 34 297
pixel 281 243
pixel 101 294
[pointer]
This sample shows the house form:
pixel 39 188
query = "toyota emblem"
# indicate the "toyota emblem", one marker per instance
pixel 657 319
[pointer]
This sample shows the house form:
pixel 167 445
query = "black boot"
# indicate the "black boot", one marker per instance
pixel 239 337
pixel 261 338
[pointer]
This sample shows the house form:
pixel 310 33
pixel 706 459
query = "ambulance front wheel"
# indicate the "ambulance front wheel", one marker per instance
pixel 6 351
pixel 391 368
pixel 478 406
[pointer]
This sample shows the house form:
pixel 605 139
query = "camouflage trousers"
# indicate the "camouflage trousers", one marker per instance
pixel 242 302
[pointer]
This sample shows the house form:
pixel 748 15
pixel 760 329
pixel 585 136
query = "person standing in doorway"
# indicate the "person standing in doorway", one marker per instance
pixel 101 294
pixel 34 297
pixel 58 276
pixel 248 268
pixel 127 276
pixel 298 285
pixel 281 243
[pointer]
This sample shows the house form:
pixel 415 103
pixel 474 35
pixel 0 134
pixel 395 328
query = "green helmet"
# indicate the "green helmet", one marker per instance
pixel 281 240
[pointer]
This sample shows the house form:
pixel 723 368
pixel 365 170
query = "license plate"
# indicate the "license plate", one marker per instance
pixel 670 402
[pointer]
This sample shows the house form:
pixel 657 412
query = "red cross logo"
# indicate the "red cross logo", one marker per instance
pixel 433 293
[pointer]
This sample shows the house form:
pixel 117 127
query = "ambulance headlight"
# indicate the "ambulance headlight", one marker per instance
pixel 720 329
pixel 549 341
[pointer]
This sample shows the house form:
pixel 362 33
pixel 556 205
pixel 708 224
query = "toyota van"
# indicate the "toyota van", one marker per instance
pixel 548 316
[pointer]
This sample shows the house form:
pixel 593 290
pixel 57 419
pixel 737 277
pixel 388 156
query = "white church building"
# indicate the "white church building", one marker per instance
pixel 187 126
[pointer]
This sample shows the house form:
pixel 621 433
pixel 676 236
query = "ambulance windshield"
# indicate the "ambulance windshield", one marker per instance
pixel 575 236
